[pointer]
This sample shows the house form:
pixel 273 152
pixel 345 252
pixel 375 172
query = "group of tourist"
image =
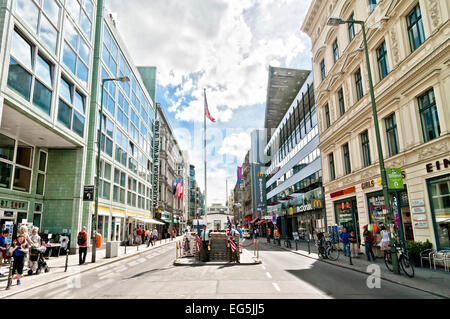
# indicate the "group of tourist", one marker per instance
pixel 19 249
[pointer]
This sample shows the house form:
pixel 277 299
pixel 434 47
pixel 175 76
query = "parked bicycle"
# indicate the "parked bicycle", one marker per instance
pixel 403 261
pixel 328 249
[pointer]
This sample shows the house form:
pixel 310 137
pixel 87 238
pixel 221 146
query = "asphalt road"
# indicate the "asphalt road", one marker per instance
pixel 281 275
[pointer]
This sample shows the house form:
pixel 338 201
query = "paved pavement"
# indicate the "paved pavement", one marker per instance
pixel 282 275
pixel 429 280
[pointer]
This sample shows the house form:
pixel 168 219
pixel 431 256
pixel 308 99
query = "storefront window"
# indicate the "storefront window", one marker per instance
pixel 377 210
pixel 440 199
pixel 347 215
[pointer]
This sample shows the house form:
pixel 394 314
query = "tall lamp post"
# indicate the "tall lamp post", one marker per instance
pixel 97 179
pixel 335 21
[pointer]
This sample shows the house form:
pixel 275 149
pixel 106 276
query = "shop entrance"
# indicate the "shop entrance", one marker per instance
pixel 346 214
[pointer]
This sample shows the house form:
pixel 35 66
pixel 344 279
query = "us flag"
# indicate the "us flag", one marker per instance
pixel 230 240
pixel 208 115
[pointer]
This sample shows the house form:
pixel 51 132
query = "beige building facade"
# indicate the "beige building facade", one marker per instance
pixel 409 51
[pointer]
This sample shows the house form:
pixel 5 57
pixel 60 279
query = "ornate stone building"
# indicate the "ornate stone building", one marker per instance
pixel 409 53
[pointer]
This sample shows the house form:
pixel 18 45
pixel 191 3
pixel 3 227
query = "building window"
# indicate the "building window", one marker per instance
pixel 119 186
pixel 105 180
pixel 341 101
pixel 30 72
pixel 415 28
pixel 331 163
pixel 72 108
pixel 351 28
pixel 107 135
pixel 121 148
pixel 109 52
pixel 335 50
pixel 132 189
pixel 42 18
pixel 327 116
pixel 365 149
pixel 42 170
pixel 391 134
pixel 82 12
pixel 76 52
pixel 322 69
pixel 429 116
pixel 383 68
pixel 109 94
pixel 347 165
pixel 373 4
pixel 440 205
pixel 359 86
pixel 17 158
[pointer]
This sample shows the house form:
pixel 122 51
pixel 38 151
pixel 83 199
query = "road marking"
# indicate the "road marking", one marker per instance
pixel 268 275
pixel 58 291
pixel 263 267
pixel 276 286
pixel 133 263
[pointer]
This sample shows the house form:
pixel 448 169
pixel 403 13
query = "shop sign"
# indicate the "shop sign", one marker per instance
pixel 368 184
pixel 346 191
pixel 418 210
pixel 438 165
pixel 88 193
pixel 13 204
pixel 421 225
pixel 420 217
pixel 317 203
pixel 395 178
pixel 156 137
pixel 418 202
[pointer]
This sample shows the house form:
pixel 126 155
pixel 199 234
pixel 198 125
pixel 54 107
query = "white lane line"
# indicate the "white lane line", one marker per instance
pixel 55 292
pixel 276 286
pixel 133 263
pixel 263 267
pixel 268 275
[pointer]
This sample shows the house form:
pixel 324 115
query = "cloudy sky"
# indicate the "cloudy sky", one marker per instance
pixel 225 46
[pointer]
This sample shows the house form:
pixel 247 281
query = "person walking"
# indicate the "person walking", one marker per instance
pixel 368 242
pixel 234 255
pixel 18 250
pixel 345 242
pixel 353 244
pixel 155 235
pixel 149 237
pixel 83 245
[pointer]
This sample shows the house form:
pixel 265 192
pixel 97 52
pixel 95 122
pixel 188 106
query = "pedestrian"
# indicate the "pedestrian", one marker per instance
pixel 257 233
pixel 149 237
pixel 240 232
pixel 368 242
pixel 269 231
pixel 18 250
pixel 143 235
pixel 234 256
pixel 384 240
pixel 83 245
pixel 3 243
pixel 205 243
pixel 155 235
pixel 35 238
pixel 139 236
pixel 353 244
pixel 345 242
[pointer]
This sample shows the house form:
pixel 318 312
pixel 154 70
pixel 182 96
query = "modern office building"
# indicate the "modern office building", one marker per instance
pixel 49 122
pixel 408 46
pixel 294 171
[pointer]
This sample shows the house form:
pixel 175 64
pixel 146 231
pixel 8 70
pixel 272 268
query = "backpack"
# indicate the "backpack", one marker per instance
pixel 81 240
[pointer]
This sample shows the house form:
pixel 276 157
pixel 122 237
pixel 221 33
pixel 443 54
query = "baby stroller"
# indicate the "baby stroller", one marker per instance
pixel 37 261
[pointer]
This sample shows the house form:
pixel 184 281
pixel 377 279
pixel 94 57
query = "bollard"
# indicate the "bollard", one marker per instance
pixel 125 249
pixel 296 247
pixel 309 247
pixel 350 258
pixel 10 273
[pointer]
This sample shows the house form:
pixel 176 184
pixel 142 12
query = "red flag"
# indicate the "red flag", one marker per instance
pixel 181 190
pixel 208 115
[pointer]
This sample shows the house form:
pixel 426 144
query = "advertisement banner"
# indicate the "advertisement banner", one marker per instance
pixel 258 179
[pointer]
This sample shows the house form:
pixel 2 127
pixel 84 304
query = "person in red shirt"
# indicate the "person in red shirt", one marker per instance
pixel 83 245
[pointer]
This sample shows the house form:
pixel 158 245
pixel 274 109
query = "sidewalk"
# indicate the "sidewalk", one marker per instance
pixel 57 266
pixel 433 281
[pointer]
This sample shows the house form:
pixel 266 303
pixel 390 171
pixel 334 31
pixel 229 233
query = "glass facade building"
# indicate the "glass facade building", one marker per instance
pixel 46 149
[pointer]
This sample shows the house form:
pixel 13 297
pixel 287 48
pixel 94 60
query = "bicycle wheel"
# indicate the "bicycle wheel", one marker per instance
pixel 332 253
pixel 407 267
pixel 388 262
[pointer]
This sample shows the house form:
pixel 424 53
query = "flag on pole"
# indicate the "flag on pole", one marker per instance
pixel 181 189
pixel 239 174
pixel 230 240
pixel 208 115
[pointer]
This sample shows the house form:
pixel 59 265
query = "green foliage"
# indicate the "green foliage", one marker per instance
pixel 415 247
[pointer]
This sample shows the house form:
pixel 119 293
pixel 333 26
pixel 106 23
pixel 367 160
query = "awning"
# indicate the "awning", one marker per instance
pixel 262 221
pixel 254 220
pixel 149 221
pixel 274 203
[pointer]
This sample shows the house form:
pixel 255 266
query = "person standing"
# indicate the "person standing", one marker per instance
pixel 205 244
pixel 384 240
pixel 240 232
pixel 149 236
pixel 155 235
pixel 3 243
pixel 83 245
pixel 345 242
pixel 368 242
pixel 353 244
pixel 18 250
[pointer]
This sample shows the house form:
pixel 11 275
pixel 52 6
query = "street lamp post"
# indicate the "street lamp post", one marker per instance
pixel 335 21
pixel 97 179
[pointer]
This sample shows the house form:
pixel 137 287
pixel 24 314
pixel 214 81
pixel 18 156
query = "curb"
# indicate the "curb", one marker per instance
pixel 82 271
pixel 362 272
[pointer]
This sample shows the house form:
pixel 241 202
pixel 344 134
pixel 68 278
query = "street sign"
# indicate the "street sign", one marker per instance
pixel 88 193
pixel 395 178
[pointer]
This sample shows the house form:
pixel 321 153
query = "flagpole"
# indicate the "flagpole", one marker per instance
pixel 204 154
